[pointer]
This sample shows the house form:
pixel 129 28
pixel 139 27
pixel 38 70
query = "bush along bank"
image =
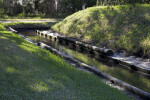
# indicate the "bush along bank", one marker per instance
pixel 117 27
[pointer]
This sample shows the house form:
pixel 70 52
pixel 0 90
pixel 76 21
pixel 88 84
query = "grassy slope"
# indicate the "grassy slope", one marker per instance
pixel 119 27
pixel 2 28
pixel 28 72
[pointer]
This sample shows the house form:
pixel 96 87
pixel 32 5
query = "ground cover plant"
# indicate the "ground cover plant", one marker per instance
pixel 124 27
pixel 31 73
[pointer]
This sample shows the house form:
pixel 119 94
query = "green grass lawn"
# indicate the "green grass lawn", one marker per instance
pixel 28 24
pixel 118 27
pixel 28 72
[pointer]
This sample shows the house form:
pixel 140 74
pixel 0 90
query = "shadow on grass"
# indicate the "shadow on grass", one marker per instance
pixel 28 72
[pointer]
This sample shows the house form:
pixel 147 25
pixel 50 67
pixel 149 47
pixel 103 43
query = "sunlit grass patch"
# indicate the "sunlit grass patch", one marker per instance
pixel 2 37
pixel 41 86
pixel 2 28
pixel 146 45
pixel 11 70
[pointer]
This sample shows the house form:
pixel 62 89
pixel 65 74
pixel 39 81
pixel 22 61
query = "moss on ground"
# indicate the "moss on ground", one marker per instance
pixel 30 73
pixel 118 27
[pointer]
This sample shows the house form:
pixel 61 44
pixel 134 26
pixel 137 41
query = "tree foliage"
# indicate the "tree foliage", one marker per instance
pixel 29 8
pixel 57 7
pixel 77 4
pixel 120 2
pixel 1 4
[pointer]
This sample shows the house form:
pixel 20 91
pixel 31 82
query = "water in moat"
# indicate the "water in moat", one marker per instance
pixel 125 75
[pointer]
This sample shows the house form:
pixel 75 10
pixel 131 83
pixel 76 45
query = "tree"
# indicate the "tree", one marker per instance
pixel 17 8
pixel 1 3
pixel 77 5
pixel 29 8
pixel 36 4
pixel 48 7
pixel 8 6
pixel 119 2
pixel 12 7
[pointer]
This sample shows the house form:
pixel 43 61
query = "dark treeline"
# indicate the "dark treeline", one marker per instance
pixel 56 7
pixel 1 4
pixel 48 7
pixel 121 2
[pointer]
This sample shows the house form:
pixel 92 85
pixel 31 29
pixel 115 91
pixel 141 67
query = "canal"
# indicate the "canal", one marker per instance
pixel 116 71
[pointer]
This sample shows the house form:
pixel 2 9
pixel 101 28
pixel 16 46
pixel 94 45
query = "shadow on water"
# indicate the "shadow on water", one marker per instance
pixel 116 71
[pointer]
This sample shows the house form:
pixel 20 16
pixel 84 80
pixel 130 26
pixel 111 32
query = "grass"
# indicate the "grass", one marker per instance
pixel 30 73
pixel 28 24
pixel 30 19
pixel 2 28
pixel 118 27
